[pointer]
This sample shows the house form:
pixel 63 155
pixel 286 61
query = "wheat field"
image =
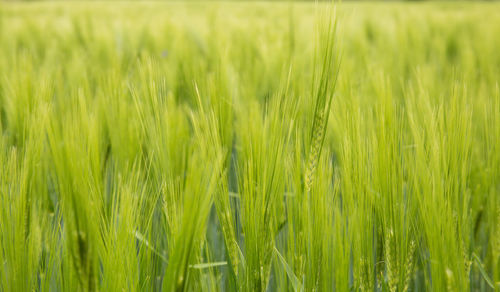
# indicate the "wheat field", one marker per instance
pixel 249 146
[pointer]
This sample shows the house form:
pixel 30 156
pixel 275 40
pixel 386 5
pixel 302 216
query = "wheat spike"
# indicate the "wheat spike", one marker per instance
pixel 390 263
pixel 314 152
pixel 467 261
pixel 409 265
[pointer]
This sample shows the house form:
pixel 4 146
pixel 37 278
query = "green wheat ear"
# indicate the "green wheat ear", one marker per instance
pixel 409 265
pixel 391 263
pixel 324 82
pixel 314 152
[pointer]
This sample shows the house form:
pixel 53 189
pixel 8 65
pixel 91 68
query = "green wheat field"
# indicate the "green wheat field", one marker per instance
pixel 249 146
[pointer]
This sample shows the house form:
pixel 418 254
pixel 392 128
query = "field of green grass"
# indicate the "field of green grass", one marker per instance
pixel 249 146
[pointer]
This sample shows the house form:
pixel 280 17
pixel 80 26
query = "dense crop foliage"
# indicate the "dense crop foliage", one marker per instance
pixel 253 147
